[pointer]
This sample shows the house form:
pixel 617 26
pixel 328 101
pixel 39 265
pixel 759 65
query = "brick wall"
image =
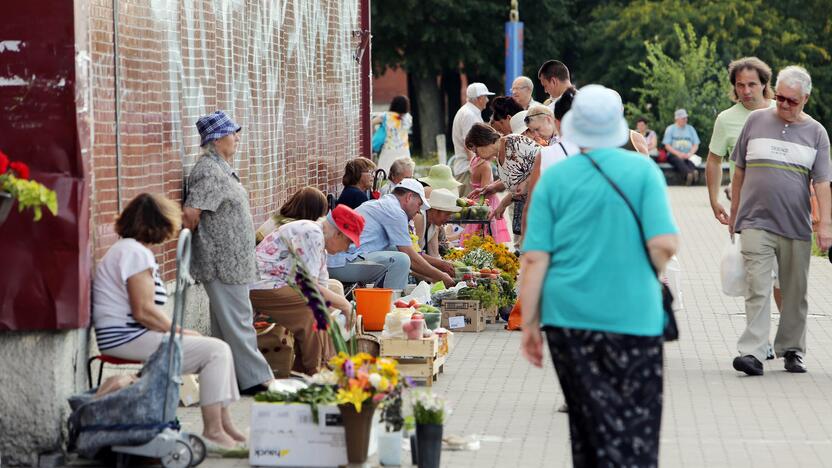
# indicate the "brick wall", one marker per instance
pixel 284 70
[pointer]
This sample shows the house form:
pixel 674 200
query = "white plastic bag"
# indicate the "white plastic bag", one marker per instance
pixel 732 270
pixel 673 279
pixel 421 293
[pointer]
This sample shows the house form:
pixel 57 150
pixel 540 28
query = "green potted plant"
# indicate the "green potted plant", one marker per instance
pixel 390 440
pixel 429 411
pixel 15 185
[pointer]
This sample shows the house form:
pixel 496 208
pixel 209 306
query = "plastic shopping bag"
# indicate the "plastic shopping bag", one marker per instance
pixel 673 279
pixel 732 270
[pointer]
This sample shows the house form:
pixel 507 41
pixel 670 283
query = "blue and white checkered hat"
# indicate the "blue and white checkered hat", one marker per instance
pixel 215 126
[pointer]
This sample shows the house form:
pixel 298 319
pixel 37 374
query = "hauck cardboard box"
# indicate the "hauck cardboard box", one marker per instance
pixel 284 434
pixel 463 316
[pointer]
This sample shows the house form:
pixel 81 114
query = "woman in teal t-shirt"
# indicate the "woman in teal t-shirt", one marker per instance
pixel 586 279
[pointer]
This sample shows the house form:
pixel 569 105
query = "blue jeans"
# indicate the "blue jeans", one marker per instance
pixel 385 268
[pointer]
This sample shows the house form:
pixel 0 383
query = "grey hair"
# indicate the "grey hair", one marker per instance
pixel 398 167
pixel 210 147
pixel 795 76
pixel 525 81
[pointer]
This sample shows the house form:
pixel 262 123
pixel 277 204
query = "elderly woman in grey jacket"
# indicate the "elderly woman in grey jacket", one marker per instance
pixel 217 211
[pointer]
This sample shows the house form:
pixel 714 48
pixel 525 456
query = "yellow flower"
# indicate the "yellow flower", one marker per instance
pixel 355 395
pixel 337 361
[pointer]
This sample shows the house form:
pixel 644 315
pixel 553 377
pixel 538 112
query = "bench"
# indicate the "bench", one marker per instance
pixel 673 178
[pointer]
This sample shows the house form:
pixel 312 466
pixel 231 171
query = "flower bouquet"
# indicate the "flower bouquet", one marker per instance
pixel 429 410
pixel 363 382
pixel 15 185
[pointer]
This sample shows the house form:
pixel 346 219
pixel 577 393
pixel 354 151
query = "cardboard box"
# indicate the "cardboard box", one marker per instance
pixel 284 434
pixel 465 316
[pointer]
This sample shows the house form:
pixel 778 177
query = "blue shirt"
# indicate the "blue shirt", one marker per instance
pixel 599 277
pixel 681 139
pixel 385 228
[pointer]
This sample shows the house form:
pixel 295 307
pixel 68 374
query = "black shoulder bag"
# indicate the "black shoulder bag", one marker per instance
pixel 671 331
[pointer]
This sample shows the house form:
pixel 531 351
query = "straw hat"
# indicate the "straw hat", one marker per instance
pixel 440 177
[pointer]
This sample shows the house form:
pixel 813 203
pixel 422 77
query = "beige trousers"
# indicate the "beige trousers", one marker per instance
pixel 759 250
pixel 203 355
pixel 313 348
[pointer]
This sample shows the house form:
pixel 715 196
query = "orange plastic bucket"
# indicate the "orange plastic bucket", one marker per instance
pixel 373 304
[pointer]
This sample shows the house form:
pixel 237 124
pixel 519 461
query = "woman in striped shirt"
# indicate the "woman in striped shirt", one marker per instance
pixel 128 296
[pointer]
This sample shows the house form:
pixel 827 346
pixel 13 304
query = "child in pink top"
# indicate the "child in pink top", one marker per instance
pixel 481 176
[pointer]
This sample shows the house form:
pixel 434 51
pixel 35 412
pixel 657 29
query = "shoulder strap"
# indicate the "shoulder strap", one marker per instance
pixel 630 206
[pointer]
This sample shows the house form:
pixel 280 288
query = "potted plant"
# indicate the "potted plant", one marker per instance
pixel 15 185
pixel 429 411
pixel 390 441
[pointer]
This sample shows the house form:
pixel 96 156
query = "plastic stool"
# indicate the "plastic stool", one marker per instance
pixel 103 358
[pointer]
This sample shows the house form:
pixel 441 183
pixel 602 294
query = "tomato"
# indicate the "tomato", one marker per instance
pixel 413 303
pixel 401 304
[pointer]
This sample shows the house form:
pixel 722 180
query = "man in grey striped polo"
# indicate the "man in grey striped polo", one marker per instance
pixel 779 152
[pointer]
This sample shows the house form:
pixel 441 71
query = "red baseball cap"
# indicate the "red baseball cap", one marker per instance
pixel 348 221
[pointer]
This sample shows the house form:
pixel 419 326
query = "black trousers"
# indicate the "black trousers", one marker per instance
pixel 682 166
pixel 613 387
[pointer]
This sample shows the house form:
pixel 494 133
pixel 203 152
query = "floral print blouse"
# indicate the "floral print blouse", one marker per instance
pixel 517 166
pixel 274 264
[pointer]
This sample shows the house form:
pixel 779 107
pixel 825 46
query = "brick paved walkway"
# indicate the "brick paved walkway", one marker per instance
pixel 713 416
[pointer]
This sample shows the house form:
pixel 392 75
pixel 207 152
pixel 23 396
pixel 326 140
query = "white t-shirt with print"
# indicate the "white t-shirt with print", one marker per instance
pixel 112 317
pixel 275 264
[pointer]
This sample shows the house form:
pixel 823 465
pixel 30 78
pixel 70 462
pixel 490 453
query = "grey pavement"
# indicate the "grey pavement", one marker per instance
pixel 713 416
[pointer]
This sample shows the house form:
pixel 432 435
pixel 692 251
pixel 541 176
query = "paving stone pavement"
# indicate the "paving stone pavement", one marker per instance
pixel 713 416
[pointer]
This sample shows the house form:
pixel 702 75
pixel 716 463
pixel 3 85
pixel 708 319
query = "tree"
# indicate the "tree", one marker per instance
pixel 780 33
pixel 694 80
pixel 434 40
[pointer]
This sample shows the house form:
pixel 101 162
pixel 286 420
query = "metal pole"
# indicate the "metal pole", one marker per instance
pixel 366 79
pixel 514 45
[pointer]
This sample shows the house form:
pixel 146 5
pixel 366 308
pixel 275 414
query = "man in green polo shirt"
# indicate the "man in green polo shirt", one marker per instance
pixel 751 90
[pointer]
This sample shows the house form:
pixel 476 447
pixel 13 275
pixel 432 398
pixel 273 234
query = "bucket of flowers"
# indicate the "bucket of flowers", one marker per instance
pixel 360 380
pixel 363 381
pixel 16 186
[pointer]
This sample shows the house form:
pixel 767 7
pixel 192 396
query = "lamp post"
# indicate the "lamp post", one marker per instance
pixel 514 46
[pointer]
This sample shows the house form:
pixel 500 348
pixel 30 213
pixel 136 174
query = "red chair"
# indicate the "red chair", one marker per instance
pixel 103 358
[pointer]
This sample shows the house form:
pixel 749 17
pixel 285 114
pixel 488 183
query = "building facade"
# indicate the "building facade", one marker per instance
pixel 100 98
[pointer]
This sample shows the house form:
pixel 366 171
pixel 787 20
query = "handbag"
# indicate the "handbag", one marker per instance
pixel 379 136
pixel 517 217
pixel 671 330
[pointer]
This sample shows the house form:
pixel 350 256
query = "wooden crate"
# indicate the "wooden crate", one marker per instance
pixel 421 360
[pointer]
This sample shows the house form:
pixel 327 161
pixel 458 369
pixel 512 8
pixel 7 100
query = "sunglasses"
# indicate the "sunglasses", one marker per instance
pixel 792 102
pixel 529 117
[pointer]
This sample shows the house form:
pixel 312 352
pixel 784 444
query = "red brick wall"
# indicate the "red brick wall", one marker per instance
pixel 285 73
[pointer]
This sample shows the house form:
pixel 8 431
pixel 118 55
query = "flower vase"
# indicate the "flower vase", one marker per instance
pixel 357 430
pixel 429 444
pixel 390 448
pixel 6 202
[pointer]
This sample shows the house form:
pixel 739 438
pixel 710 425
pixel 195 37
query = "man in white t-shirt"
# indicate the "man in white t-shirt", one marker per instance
pixel 555 78
pixel 465 118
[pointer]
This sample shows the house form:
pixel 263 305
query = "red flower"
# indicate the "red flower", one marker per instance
pixel 21 169
pixel 4 163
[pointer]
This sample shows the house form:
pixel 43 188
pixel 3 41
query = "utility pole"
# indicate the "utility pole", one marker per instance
pixel 514 45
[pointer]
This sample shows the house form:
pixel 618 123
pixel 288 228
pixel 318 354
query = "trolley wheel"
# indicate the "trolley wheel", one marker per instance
pixel 198 449
pixel 180 457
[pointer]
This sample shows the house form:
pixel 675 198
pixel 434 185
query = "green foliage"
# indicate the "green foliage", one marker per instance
pixel 479 258
pixel 613 35
pixel 487 292
pixel 429 37
pixel 694 80
pixel 313 395
pixel 30 194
